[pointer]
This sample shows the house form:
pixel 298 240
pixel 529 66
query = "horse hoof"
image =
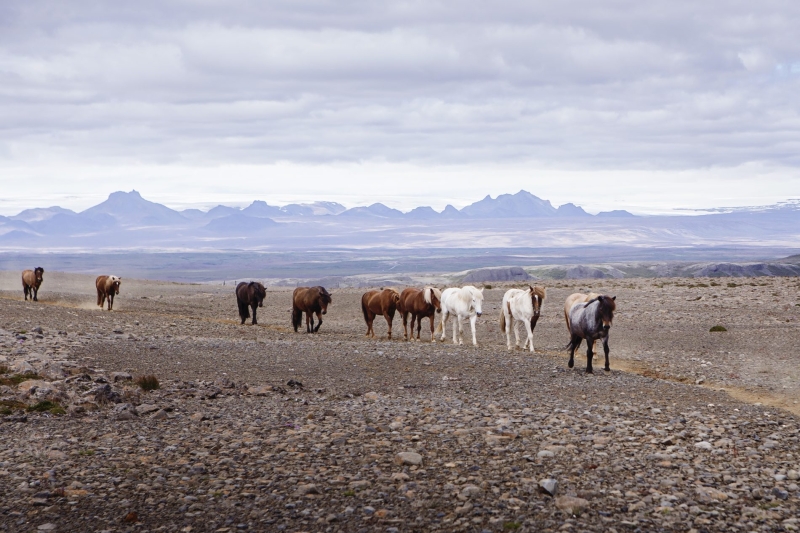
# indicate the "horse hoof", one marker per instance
pixel 589 371
pixel 570 364
pixel 607 369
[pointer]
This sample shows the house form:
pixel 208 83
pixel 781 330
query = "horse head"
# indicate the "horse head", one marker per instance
pixel 477 300
pixel 606 306
pixel 37 272
pixel 115 282
pixel 259 291
pixel 324 299
pixel 395 296
pixel 433 296
pixel 537 296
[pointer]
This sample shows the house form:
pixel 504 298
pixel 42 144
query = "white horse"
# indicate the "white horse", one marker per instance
pixel 465 302
pixel 524 305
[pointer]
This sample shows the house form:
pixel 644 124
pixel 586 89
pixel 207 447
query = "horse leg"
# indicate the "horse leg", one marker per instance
pixel 605 349
pixel 309 318
pixel 530 335
pixel 110 301
pixel 515 326
pixel 573 345
pixel 508 333
pixel 35 293
pixel 442 323
pixel 472 320
pixel 414 320
pixel 319 321
pixel 389 319
pixel 254 306
pixel 25 290
pixel 589 355
pixel 405 326
pixel 431 318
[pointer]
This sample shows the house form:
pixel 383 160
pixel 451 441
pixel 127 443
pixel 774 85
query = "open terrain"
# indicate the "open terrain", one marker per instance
pixel 690 430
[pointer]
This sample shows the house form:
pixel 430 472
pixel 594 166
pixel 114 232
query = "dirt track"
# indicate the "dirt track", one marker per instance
pixel 487 413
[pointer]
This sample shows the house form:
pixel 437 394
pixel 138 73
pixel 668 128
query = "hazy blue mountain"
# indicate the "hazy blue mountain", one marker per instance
pixel 374 210
pixel 260 208
pixel 422 213
pixel 451 212
pixel 571 210
pixel 130 208
pixel 42 213
pixel 193 214
pixel 239 223
pixel 617 213
pixel 63 224
pixel 222 211
pixel 314 209
pixel 522 204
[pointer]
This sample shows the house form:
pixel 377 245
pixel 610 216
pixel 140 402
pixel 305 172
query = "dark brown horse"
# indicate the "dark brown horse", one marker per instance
pixel 591 321
pixel 31 280
pixel 107 287
pixel 419 304
pixel 309 300
pixel 374 303
pixel 250 295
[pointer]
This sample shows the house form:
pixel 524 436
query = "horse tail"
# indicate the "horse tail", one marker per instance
pixel 297 316
pixel 244 311
pixel 503 321
pixel 364 310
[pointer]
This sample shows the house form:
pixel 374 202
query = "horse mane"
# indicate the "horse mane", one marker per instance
pixel 541 292
pixel 429 292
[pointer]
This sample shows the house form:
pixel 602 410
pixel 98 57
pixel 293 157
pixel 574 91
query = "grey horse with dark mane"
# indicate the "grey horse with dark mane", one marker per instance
pixel 591 321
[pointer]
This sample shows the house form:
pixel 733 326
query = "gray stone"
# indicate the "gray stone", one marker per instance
pixel 780 493
pixel 548 486
pixel 121 376
pixel 408 458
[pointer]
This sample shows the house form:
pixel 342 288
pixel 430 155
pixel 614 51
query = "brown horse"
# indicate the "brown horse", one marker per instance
pixel 309 300
pixel 31 280
pixel 374 303
pixel 250 295
pixel 107 287
pixel 420 304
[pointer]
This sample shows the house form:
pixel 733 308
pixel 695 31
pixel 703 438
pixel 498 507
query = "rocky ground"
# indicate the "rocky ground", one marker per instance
pixel 259 428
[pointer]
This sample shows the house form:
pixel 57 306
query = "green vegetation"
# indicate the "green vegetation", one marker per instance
pixel 732 285
pixel 4 369
pixel 13 381
pixel 511 526
pixel 148 383
pixel 349 492
pixel 489 287
pixel 718 328
pixel 46 406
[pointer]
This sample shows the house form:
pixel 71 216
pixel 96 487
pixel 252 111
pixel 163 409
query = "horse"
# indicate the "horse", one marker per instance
pixel 309 300
pixel 107 287
pixel 419 304
pixel 590 321
pixel 572 299
pixel 465 302
pixel 250 295
pixel 31 281
pixel 374 303
pixel 524 305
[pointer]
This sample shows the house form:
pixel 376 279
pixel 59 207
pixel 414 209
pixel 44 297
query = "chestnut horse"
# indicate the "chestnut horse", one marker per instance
pixel 107 287
pixel 420 304
pixel 374 303
pixel 250 295
pixel 31 280
pixel 309 300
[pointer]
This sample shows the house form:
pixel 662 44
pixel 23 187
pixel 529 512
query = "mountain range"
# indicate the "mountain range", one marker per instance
pixel 127 221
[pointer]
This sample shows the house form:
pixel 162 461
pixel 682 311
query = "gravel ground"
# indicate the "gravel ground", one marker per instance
pixel 260 428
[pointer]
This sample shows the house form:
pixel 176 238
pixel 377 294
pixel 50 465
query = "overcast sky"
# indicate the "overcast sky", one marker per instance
pixel 646 106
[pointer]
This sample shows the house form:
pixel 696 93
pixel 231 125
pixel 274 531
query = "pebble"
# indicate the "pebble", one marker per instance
pixel 549 486
pixel 408 458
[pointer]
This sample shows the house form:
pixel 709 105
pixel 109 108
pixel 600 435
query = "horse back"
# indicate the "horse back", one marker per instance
pixel 101 283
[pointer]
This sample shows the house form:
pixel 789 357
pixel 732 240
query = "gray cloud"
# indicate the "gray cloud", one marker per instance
pixel 579 86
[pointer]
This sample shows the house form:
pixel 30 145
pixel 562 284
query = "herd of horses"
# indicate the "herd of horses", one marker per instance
pixel 588 316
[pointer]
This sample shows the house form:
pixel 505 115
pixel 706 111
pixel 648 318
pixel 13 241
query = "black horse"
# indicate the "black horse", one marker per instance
pixel 250 295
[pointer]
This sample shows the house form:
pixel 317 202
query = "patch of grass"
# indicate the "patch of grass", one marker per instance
pixel 511 526
pixel 5 411
pixel 148 383
pixel 732 285
pixel 489 287
pixel 717 328
pixel 714 284
pixel 704 285
pixel 19 378
pixel 349 492
pixel 4 369
pixel 86 452
pixel 46 406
